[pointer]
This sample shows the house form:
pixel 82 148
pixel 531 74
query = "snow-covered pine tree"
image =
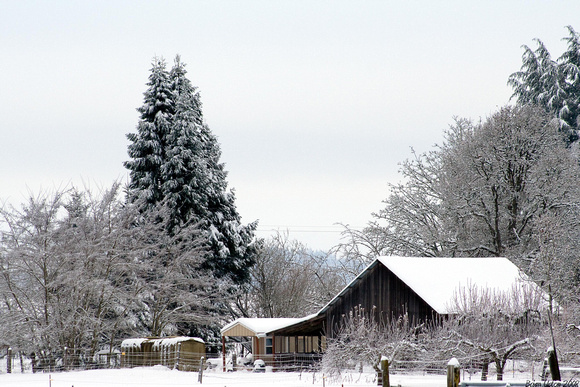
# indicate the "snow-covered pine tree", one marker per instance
pixel 553 85
pixel 192 181
pixel 147 148
pixel 527 83
pixel 182 170
pixel 570 69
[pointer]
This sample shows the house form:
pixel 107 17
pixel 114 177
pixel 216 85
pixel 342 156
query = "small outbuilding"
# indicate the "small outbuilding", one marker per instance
pixel 182 353
pixel 263 346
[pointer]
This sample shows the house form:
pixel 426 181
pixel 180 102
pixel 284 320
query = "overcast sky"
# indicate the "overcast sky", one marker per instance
pixel 314 102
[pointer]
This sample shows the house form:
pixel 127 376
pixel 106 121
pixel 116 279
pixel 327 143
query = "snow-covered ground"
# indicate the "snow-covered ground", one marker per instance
pixel 160 376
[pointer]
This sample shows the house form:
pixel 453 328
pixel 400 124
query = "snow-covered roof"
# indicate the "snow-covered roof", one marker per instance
pixel 133 343
pixel 263 325
pixel 161 342
pixel 158 342
pixel 439 280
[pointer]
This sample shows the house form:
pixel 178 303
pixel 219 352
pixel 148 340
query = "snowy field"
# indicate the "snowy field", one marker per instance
pixel 160 376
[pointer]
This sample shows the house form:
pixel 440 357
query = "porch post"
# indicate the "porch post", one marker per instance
pixel 224 353
pixel 273 352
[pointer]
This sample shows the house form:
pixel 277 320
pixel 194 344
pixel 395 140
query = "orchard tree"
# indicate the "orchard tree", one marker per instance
pixel 495 326
pixel 175 160
pixel 567 334
pixel 361 339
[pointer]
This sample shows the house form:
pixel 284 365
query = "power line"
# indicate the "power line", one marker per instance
pixel 304 229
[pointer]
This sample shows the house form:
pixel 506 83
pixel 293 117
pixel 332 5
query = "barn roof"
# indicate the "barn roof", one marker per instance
pixel 438 280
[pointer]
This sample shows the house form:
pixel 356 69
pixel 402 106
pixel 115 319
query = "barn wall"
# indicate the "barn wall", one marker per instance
pixel 382 293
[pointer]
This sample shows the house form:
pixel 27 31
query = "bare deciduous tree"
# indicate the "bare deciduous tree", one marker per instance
pixel 78 271
pixel 290 280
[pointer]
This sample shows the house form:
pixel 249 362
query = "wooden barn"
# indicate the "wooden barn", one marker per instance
pixel 422 288
pixel 182 353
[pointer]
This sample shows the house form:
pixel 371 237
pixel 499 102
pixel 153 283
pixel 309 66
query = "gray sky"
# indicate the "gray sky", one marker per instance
pixel 314 102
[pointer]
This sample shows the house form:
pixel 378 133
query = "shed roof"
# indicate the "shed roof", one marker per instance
pixel 159 341
pixel 258 326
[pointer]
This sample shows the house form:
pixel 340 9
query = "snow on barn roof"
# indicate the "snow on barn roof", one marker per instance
pixel 263 325
pixel 438 280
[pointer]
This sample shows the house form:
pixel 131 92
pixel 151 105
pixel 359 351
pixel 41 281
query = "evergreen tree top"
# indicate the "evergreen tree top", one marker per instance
pixel 553 85
pixel 159 97
pixel 175 162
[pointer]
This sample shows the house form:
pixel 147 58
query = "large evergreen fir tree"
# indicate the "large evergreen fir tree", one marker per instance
pixel 553 85
pixel 147 148
pixel 570 65
pixel 176 162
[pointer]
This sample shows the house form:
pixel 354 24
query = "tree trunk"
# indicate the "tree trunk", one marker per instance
pixel 484 369
pixel 499 369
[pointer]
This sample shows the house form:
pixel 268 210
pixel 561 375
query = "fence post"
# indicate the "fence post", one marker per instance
pixel 383 379
pixel 201 367
pixel 553 364
pixel 9 361
pixel 453 371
